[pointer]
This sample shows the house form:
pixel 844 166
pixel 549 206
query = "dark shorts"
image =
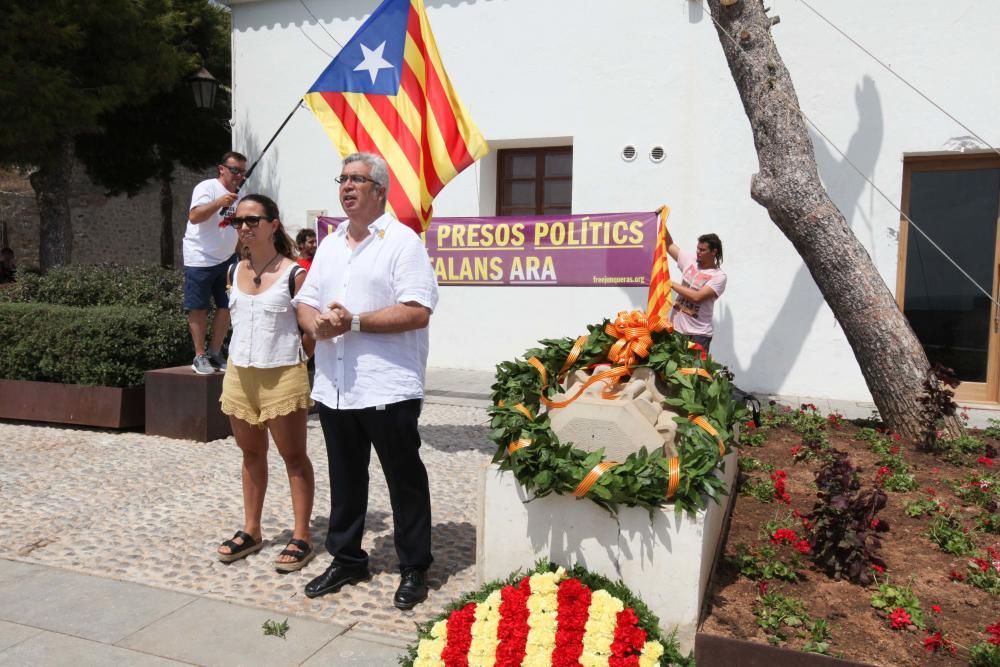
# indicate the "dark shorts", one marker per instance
pixel 704 341
pixel 204 284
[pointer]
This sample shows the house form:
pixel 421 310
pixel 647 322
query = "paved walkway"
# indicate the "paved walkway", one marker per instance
pixel 107 541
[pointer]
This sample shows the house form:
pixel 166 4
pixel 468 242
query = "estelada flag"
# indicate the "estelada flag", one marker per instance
pixel 386 92
pixel 660 297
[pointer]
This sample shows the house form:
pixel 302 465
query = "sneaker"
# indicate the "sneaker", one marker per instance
pixel 217 360
pixel 202 365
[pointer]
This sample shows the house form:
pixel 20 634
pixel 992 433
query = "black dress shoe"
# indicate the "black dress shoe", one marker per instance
pixel 336 575
pixel 412 589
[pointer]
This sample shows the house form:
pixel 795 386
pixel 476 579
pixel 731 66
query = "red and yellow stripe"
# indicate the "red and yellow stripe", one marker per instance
pixel 660 298
pixel 424 132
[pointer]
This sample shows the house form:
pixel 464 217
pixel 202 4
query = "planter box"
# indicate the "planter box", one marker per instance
pixel 182 404
pixel 106 407
pixel 666 560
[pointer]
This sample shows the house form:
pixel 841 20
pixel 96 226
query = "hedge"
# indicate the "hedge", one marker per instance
pixel 99 324
pixel 100 285
pixel 104 345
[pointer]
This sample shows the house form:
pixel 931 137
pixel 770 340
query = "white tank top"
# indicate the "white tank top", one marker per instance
pixel 265 329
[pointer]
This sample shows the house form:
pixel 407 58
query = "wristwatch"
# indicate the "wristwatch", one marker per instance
pixel 356 323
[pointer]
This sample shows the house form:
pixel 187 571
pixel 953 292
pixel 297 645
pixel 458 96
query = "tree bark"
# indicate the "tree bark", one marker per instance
pixel 166 221
pixel 891 358
pixel 51 184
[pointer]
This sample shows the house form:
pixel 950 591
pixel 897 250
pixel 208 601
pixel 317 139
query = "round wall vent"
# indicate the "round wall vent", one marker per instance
pixel 629 153
pixel 656 154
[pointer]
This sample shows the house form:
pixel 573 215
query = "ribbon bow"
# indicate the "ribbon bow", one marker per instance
pixel 633 330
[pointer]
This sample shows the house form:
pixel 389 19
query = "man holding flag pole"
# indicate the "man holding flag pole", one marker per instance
pixel 388 106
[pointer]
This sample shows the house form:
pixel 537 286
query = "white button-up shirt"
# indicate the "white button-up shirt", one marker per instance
pixel 360 369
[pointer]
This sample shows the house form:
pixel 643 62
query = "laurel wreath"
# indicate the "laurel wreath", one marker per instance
pixel 697 387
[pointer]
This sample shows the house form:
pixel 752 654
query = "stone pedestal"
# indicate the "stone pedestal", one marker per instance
pixel 667 561
pixel 182 404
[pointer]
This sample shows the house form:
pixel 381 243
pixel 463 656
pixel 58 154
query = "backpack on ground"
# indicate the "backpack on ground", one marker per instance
pixel 750 402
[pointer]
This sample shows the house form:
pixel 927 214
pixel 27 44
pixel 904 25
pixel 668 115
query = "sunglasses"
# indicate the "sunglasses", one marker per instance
pixel 250 221
pixel 235 171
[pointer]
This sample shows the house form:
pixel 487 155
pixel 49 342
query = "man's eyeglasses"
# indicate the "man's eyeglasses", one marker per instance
pixel 235 171
pixel 250 221
pixel 357 179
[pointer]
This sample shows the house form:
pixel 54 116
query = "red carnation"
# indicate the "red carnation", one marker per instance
pixel 899 618
pixel 456 652
pixel 784 535
pixel 934 642
pixel 994 632
pixel 571 620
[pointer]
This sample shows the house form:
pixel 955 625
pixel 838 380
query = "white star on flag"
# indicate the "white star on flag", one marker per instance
pixel 373 61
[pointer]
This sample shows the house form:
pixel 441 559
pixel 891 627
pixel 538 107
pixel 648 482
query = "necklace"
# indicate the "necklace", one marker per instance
pixel 257 274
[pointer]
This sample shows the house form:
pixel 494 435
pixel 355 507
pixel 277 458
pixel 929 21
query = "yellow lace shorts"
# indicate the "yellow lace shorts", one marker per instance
pixel 258 394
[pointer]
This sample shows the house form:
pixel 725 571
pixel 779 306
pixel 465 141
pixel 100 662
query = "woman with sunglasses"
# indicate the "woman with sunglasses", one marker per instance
pixel 267 387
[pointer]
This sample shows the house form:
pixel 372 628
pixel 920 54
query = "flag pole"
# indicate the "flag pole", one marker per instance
pixel 246 178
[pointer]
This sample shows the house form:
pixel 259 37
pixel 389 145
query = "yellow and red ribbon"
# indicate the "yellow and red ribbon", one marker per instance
pixel 674 478
pixel 518 444
pixel 708 428
pixel 634 330
pixel 520 408
pixel 587 483
pixel 573 355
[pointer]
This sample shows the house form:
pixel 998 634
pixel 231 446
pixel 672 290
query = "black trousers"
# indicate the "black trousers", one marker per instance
pixel 350 435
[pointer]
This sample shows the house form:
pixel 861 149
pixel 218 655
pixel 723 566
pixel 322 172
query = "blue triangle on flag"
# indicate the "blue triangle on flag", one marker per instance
pixel 371 62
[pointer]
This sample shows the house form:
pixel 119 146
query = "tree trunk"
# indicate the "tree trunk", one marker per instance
pixel 166 221
pixel 51 184
pixel 891 358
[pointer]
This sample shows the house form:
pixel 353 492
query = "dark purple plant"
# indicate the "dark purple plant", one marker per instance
pixel 937 402
pixel 845 522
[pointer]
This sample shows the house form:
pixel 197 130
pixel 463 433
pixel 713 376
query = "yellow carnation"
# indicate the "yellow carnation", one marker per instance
pixel 440 629
pixel 483 649
pixel 651 654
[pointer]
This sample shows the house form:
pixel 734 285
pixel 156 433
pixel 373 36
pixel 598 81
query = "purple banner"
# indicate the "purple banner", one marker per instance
pixel 605 250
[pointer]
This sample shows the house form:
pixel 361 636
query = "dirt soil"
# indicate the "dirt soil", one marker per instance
pixel 858 632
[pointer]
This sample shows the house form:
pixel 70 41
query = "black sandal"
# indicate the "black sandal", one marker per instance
pixel 302 557
pixel 238 551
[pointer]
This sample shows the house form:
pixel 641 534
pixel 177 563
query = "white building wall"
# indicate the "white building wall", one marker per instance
pixel 647 72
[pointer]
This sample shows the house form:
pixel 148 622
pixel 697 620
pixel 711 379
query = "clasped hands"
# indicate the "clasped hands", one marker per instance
pixel 333 322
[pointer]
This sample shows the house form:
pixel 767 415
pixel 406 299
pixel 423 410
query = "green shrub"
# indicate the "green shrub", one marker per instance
pixel 101 345
pixel 99 324
pixel 101 285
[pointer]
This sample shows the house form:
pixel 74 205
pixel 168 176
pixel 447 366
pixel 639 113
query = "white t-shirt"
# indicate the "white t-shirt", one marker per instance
pixel 205 244
pixel 359 369
pixel 695 319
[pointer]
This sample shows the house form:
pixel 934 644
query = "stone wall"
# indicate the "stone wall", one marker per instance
pixel 124 230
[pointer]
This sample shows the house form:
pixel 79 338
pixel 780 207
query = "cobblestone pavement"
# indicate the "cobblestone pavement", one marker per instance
pixel 153 510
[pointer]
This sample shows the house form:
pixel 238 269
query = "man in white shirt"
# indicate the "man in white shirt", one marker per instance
pixel 209 249
pixel 367 300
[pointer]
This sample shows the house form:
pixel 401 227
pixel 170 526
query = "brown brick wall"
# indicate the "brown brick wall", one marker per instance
pixel 105 229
